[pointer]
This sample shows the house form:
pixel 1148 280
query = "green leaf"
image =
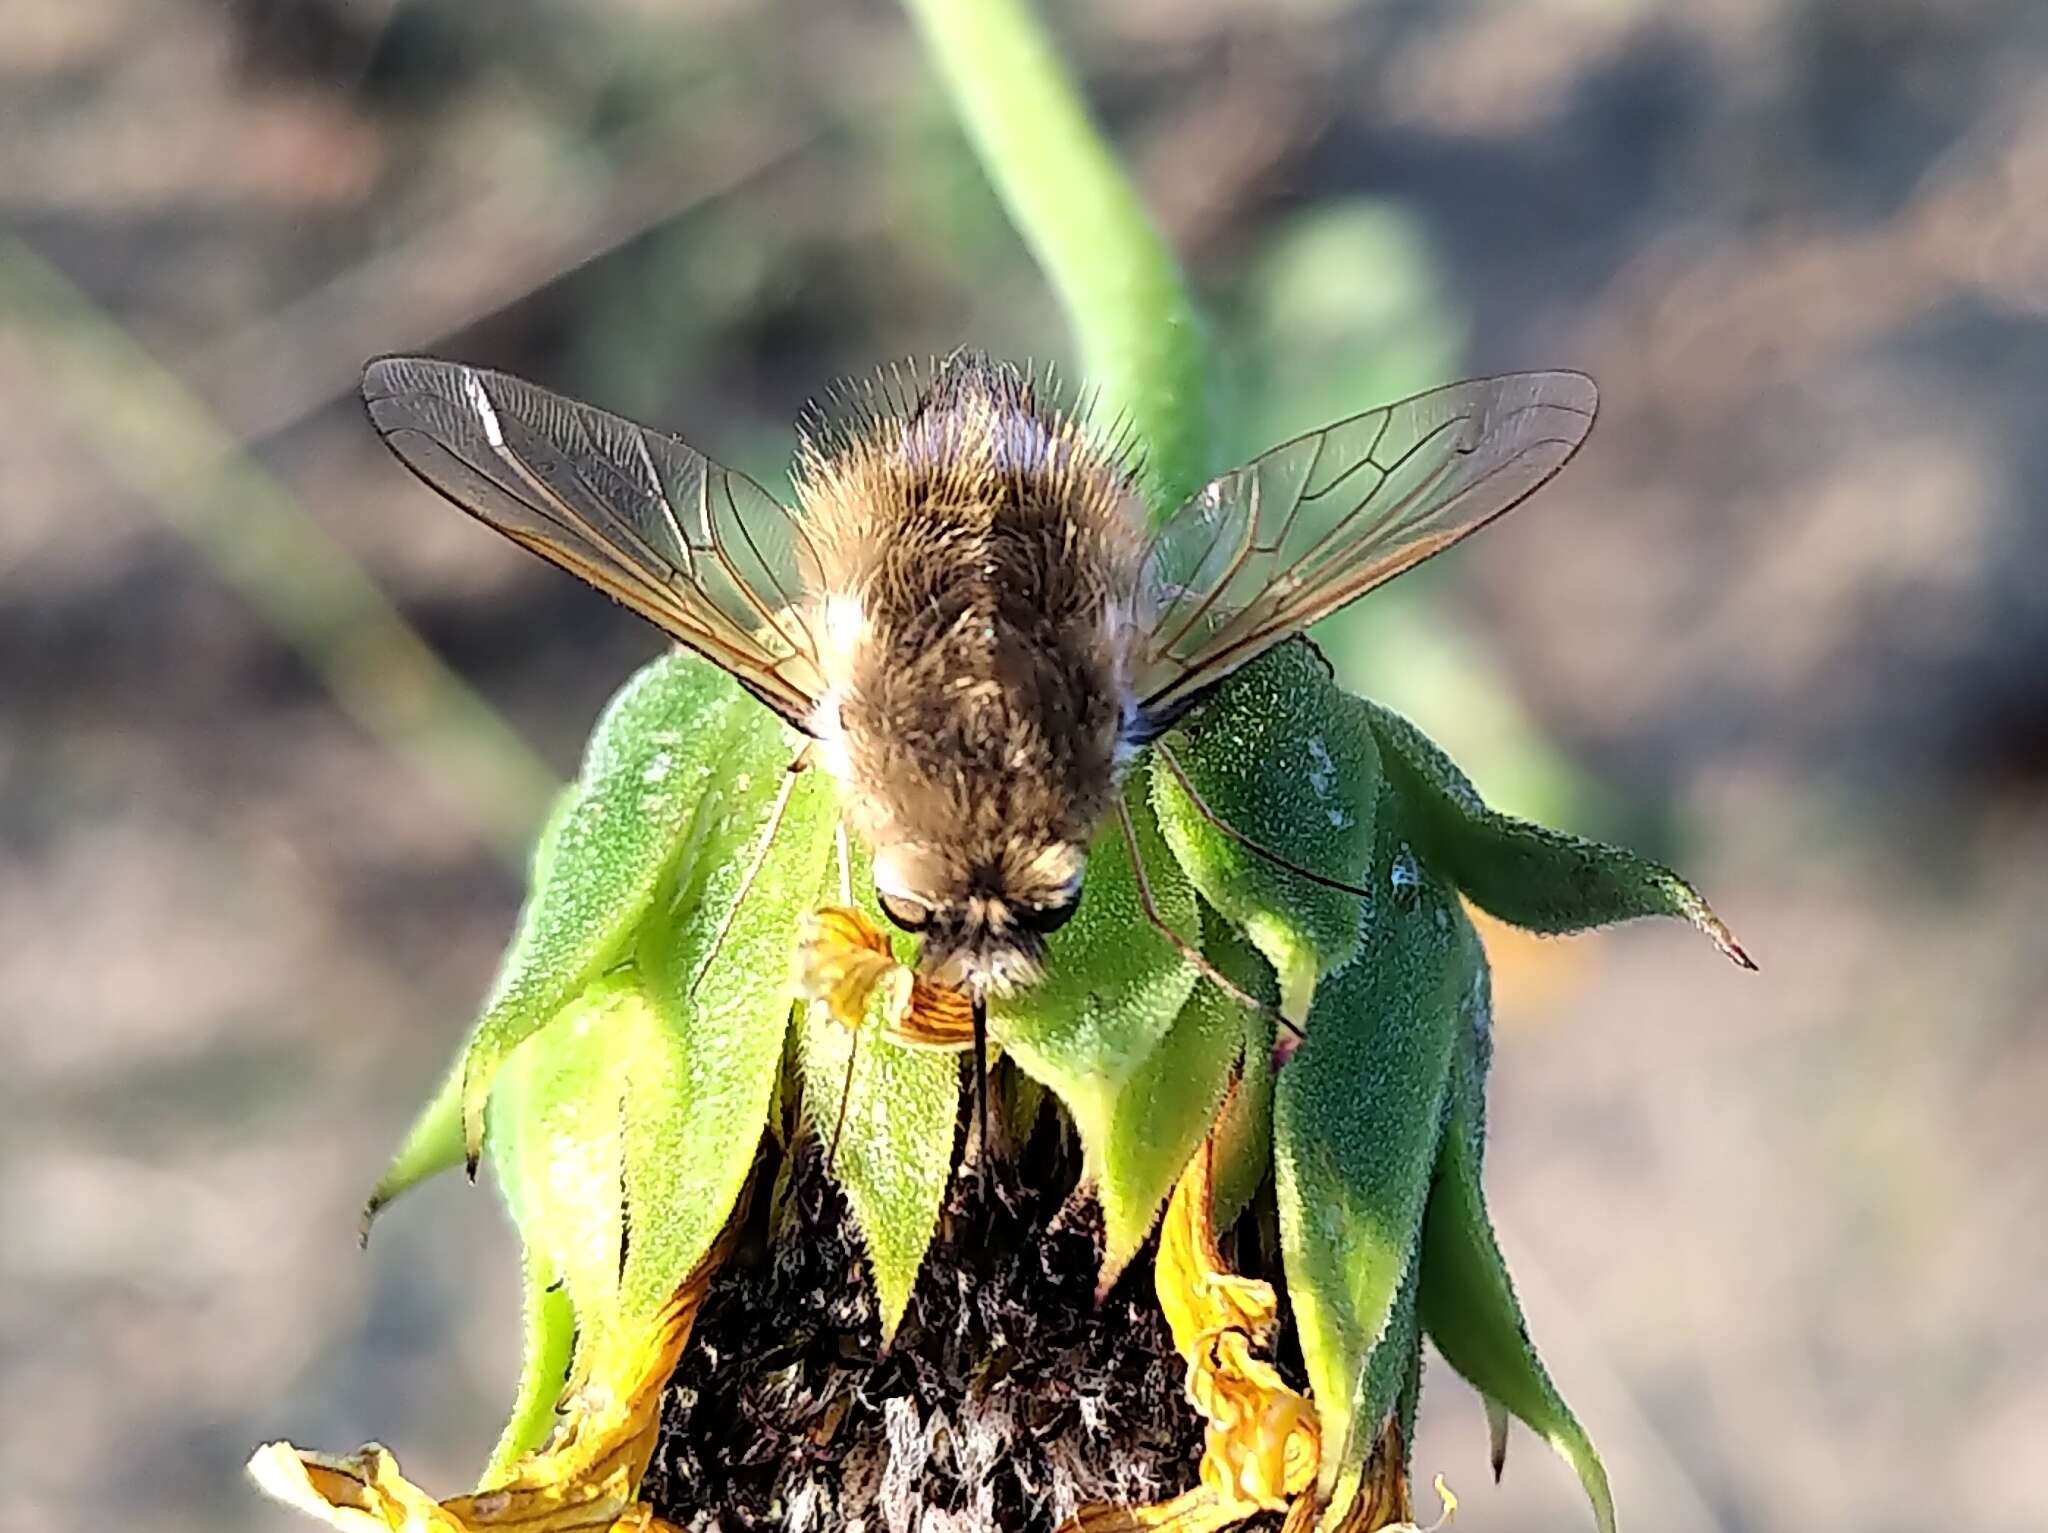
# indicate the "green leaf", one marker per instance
pixel 1356 1118
pixel 895 1146
pixel 1387 1386
pixel 548 1341
pixel 1137 1147
pixel 1113 985
pixel 1541 880
pixel 1284 758
pixel 432 1145
pixel 1244 1131
pixel 1468 1302
pixel 895 1116
pixel 623 1133
pixel 558 1118
pixel 720 965
pixel 654 766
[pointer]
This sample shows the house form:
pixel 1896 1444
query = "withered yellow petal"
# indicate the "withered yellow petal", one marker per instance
pixel 845 963
pixel 1262 1444
pixel 584 1480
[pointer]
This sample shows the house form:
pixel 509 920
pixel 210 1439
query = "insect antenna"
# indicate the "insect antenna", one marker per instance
pixel 1188 950
pixel 1165 754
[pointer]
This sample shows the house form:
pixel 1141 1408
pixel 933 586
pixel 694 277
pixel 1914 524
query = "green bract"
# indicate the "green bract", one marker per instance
pixel 888 1113
pixel 1140 1136
pixel 639 1039
pixel 1285 758
pixel 1357 1117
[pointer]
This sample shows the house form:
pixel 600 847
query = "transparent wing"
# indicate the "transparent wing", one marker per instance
pixel 702 552
pixel 1271 547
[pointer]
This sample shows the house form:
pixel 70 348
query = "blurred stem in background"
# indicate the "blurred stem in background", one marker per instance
pixel 1140 337
pixel 1143 344
pixel 156 438
pixel 1349 310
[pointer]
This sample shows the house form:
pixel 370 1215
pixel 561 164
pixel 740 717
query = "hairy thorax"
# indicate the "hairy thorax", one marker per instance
pixel 978 564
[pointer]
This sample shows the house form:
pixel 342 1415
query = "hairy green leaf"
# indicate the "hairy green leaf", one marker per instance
pixel 432 1145
pixel 1244 1129
pixel 720 965
pixel 549 1337
pixel 655 766
pixel 1468 1303
pixel 622 1132
pixel 434 1142
pixel 1356 1118
pixel 1113 985
pixel 558 1117
pixel 894 1156
pixel 1284 758
pixel 893 1117
pixel 1136 1150
pixel 1541 880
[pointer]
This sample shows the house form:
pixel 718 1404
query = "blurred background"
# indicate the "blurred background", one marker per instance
pixel 1781 1237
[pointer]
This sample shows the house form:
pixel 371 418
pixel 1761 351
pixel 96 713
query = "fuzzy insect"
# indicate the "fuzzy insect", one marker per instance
pixel 970 614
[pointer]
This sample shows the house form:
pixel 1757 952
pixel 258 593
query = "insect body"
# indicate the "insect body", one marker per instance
pixel 969 614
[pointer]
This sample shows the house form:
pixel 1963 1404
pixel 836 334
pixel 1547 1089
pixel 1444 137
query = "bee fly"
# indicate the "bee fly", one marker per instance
pixel 970 615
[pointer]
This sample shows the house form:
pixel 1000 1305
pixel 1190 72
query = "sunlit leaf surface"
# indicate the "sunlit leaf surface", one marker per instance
pixel 1356 1119
pixel 1113 984
pixel 1539 879
pixel 1282 757
pixel 658 769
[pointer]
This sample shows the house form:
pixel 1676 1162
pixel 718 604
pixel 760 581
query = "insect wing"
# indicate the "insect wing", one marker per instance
pixel 1270 548
pixel 704 553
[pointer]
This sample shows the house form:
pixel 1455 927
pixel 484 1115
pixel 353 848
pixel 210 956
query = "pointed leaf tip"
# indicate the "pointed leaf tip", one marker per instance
pixel 1468 1303
pixel 1497 1419
pixel 1539 879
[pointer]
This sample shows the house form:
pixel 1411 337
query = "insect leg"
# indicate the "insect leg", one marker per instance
pixel 845 1096
pixel 1172 762
pixel 1188 950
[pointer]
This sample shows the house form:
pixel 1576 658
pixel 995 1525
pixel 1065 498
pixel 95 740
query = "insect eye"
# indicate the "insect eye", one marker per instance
pixel 1047 919
pixel 905 913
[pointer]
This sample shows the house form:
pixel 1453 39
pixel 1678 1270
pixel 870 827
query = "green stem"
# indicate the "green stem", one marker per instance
pixel 166 448
pixel 1140 337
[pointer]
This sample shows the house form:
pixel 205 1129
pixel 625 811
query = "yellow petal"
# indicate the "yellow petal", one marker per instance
pixel 361 1493
pixel 1261 1446
pixel 845 963
pixel 1198 1511
pixel 1199 1295
pixel 936 1018
pixel 584 1480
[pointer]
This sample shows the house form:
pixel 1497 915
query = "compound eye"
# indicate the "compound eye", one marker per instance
pixel 905 913
pixel 1047 919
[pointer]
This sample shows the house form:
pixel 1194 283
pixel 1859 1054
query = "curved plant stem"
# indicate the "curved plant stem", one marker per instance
pixel 1140 337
